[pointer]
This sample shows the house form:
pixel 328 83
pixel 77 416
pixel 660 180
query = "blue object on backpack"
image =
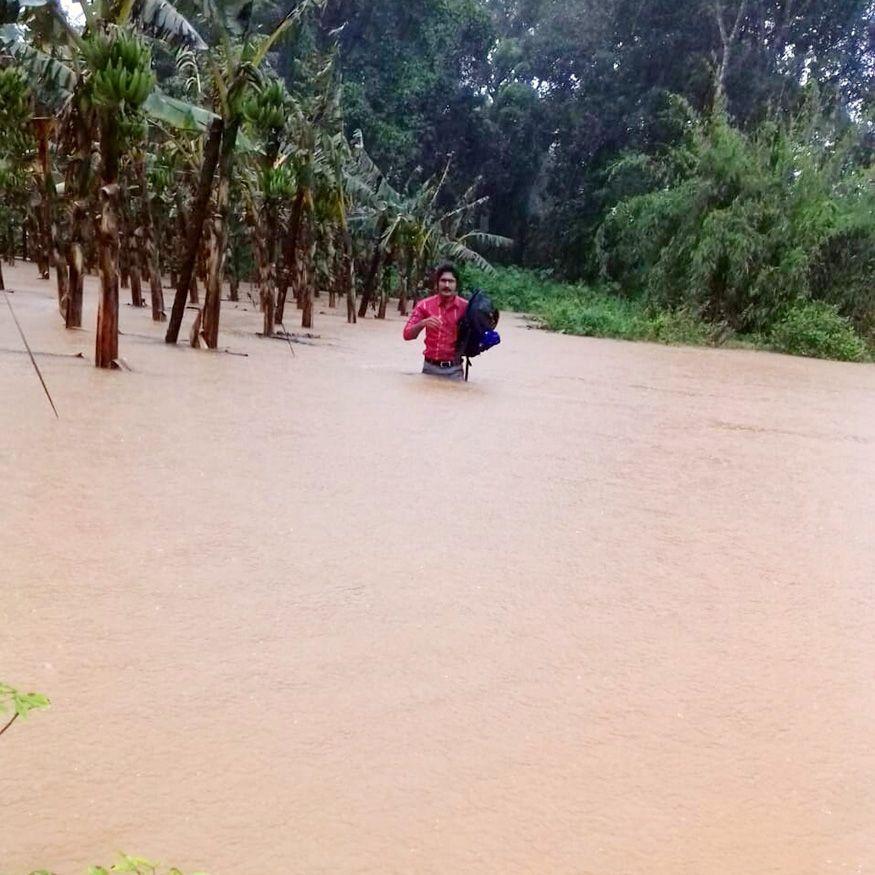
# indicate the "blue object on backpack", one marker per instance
pixel 488 339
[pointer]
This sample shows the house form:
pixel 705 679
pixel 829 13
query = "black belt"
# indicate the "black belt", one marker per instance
pixel 451 363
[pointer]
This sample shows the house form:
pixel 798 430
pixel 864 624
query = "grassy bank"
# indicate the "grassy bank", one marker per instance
pixel 806 328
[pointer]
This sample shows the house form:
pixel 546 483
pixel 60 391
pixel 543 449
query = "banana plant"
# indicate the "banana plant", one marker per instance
pixel 408 229
pixel 103 77
pixel 16 150
pixel 233 69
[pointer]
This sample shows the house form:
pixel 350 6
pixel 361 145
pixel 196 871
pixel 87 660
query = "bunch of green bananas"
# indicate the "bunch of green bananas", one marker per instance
pixel 267 109
pixel 278 183
pixel 122 72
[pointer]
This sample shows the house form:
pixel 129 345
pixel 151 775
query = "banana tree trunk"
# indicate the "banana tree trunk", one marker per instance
pixel 148 252
pixel 77 184
pixel 349 276
pixel 124 251
pixel 306 299
pixel 289 256
pixel 106 350
pixel 404 291
pixel 195 228
pixel 106 345
pixel 75 266
pixel 373 271
pixel 260 246
pixel 43 207
pixel 135 256
pixel 219 238
pixel 61 272
pixel 384 285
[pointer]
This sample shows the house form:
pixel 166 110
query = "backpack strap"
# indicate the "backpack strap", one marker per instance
pixel 467 367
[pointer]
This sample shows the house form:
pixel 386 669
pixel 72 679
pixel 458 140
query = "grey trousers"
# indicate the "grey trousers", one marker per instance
pixel 457 372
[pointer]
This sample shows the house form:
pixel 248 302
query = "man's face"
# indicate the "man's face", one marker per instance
pixel 446 285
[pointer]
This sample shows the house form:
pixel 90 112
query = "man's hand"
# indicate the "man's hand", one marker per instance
pixel 430 322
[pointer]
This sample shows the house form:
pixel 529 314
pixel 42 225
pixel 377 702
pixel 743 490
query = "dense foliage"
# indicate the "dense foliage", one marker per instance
pixel 740 227
pixel 711 157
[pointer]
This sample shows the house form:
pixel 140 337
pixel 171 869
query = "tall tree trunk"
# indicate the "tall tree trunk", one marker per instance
pixel 406 280
pixel 183 220
pixel 289 256
pixel 219 238
pixel 373 271
pixel 148 250
pixel 75 266
pixel 106 349
pixel 106 346
pixel 384 284
pixel 306 299
pixel 202 268
pixel 349 278
pixel 61 272
pixel 195 228
pixel 77 184
pixel 135 256
pixel 268 285
pixel 124 250
pixel 260 246
pixel 42 129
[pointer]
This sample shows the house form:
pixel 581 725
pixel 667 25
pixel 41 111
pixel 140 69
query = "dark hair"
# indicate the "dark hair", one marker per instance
pixel 445 267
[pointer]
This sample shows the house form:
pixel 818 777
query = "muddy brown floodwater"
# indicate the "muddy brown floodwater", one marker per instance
pixel 607 608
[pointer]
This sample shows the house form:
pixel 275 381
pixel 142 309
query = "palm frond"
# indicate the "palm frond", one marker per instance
pixel 161 19
pixel 47 70
pixel 460 252
pixel 481 238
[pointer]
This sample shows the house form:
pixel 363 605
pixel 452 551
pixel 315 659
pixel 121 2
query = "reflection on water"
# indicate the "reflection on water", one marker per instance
pixel 608 608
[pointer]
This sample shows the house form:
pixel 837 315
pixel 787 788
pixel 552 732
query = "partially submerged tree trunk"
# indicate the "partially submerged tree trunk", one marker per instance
pixel 124 251
pixel 106 350
pixel 306 300
pixel 75 266
pixel 404 291
pixel 219 239
pixel 148 250
pixel 260 248
pixel 61 271
pixel 384 285
pixel 134 255
pixel 77 184
pixel 371 281
pixel 195 229
pixel 289 256
pixel 43 205
pixel 349 277
pixel 106 346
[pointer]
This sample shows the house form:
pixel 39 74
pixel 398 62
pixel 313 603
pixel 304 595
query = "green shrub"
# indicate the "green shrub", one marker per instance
pixel 681 326
pixel 739 226
pixel 816 329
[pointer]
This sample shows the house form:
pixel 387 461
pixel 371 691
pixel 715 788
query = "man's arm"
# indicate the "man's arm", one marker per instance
pixel 418 320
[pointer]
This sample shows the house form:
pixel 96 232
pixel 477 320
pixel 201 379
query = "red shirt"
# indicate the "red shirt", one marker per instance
pixel 440 343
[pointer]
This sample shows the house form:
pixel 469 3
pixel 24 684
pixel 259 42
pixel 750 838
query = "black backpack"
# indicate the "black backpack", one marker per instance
pixel 477 328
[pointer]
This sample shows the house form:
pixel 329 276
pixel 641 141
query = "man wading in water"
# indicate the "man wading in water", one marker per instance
pixel 439 315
